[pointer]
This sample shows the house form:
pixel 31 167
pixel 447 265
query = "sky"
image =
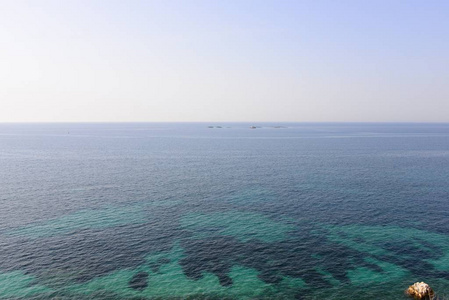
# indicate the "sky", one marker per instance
pixel 224 61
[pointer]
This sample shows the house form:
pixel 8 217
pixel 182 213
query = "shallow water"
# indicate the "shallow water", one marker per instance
pixel 171 211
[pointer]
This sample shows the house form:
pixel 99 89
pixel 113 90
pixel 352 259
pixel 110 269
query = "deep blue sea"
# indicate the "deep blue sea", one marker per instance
pixel 185 211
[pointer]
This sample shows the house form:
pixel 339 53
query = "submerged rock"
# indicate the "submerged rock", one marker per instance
pixel 139 281
pixel 420 290
pixel 225 280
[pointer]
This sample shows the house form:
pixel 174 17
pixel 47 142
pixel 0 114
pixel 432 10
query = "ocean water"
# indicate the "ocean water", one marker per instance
pixel 184 211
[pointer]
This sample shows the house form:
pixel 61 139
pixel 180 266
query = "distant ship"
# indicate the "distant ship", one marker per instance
pixel 252 127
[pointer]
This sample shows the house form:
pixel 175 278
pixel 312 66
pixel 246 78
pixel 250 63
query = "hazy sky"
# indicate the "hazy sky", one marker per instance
pixel 224 60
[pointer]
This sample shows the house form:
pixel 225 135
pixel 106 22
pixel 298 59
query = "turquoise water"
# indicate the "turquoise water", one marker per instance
pixel 183 211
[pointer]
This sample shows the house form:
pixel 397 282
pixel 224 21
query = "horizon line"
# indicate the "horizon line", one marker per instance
pixel 224 122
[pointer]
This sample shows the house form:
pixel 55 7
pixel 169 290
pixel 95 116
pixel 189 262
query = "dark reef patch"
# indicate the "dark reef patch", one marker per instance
pixel 139 281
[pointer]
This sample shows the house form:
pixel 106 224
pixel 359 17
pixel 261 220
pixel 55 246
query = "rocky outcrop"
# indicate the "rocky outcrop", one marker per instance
pixel 420 290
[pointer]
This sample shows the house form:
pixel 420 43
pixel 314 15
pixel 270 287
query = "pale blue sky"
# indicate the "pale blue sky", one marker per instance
pixel 114 61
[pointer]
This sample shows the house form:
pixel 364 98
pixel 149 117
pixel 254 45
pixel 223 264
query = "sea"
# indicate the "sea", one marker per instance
pixel 223 210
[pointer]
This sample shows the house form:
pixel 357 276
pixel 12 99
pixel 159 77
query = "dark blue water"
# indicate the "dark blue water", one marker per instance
pixel 174 211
